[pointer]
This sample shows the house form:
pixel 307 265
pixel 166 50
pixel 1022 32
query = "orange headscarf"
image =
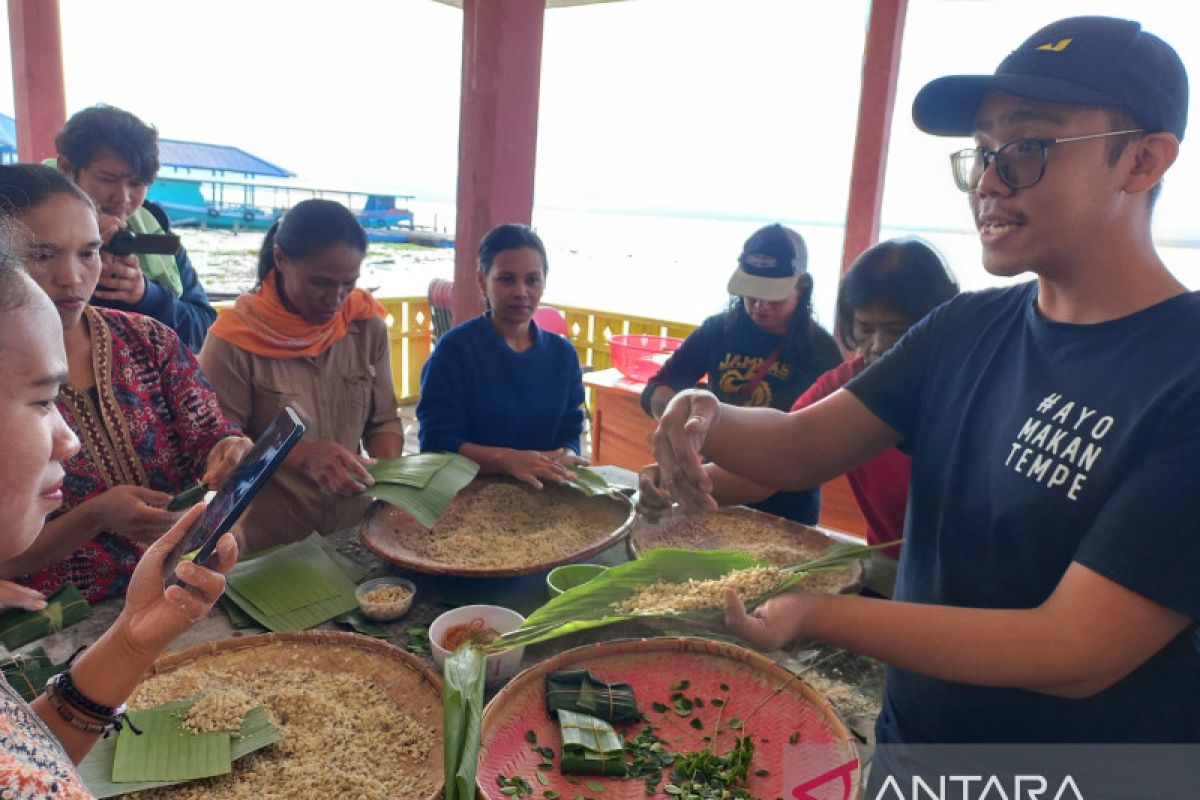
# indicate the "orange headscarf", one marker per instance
pixel 259 323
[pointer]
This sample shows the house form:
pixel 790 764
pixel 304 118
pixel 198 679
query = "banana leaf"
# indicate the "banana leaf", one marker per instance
pixel 415 471
pixel 63 608
pixel 590 482
pixel 360 624
pixel 28 672
pixel 462 711
pixel 591 604
pixel 96 768
pixel 238 619
pixel 165 751
pixel 187 498
pixel 428 503
pixel 590 746
pixel 294 576
pixel 582 692
pixel 281 584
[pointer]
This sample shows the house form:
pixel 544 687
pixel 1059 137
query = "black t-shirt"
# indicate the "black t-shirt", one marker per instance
pixel 731 349
pixel 1036 444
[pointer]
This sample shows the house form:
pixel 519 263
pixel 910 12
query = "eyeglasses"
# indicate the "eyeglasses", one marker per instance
pixel 1019 164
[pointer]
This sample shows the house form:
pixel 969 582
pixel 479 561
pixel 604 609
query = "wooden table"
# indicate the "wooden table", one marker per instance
pixel 620 428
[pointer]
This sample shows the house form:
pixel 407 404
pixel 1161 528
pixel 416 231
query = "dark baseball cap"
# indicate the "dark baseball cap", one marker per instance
pixel 771 263
pixel 1090 61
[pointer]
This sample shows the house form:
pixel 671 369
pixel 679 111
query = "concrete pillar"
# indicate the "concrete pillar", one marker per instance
pixel 881 64
pixel 497 139
pixel 35 38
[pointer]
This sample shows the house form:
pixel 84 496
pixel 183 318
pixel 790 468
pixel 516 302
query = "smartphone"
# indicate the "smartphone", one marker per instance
pixel 231 500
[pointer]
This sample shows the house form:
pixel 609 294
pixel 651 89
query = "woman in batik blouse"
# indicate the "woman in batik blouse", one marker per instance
pixel 148 421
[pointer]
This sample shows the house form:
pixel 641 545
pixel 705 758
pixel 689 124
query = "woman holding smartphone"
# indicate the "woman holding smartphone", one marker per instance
pixel 40 742
pixel 149 423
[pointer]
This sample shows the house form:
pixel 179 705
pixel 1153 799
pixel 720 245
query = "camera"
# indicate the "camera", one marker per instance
pixel 127 243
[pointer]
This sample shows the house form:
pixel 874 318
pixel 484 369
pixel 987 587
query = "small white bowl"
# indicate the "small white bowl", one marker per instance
pixel 500 666
pixel 385 612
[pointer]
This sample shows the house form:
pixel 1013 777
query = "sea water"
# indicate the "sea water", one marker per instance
pixel 676 268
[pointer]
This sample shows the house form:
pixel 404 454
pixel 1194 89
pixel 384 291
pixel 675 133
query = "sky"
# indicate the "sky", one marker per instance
pixel 742 108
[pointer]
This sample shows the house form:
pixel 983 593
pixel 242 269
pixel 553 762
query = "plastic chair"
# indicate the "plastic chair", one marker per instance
pixel 441 295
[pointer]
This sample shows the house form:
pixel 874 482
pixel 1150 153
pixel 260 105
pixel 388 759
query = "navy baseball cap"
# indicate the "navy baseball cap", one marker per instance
pixel 1090 61
pixel 771 263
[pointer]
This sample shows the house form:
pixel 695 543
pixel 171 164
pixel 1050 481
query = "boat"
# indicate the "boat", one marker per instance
pixel 220 186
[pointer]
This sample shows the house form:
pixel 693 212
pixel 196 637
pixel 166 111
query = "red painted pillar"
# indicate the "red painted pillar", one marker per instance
pixel 35 38
pixel 881 63
pixel 497 134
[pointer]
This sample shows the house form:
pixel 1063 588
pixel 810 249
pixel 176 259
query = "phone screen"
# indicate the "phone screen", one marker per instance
pixel 232 498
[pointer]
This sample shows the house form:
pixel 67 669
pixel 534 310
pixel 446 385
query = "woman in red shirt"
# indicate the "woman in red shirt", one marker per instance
pixel 887 290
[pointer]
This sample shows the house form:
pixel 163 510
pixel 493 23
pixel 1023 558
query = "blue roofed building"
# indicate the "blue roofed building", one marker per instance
pixel 214 160
pixel 8 139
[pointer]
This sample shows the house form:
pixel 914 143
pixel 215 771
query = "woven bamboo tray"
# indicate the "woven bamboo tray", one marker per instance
pixel 413 687
pixel 387 531
pixel 772 702
pixel 738 527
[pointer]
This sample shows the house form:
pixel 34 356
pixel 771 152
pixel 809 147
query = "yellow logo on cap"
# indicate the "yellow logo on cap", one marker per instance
pixel 1055 47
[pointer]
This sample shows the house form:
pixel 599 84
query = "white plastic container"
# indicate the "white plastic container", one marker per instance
pixel 500 666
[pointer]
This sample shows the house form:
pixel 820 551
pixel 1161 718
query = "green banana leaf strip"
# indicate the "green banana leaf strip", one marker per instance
pixel 582 692
pixel 462 710
pixel 63 608
pixel 187 498
pixel 167 752
pixel 313 553
pixel 590 482
pixel 238 619
pixel 415 471
pixel 354 570
pixel 591 605
pixel 590 746
pixel 28 672
pixel 290 578
pixel 256 732
pixel 359 623
pixel 427 504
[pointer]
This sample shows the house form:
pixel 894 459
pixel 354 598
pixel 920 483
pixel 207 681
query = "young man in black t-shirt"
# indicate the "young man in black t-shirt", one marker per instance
pixel 1047 588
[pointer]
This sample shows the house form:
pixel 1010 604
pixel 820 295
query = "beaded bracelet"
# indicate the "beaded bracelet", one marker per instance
pixel 66 687
pixel 62 692
pixel 89 727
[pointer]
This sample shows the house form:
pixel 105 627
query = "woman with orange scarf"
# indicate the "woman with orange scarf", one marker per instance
pixel 307 338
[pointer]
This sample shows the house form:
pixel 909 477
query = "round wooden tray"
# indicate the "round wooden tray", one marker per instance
pixel 772 703
pixel 731 529
pixel 385 528
pixel 408 682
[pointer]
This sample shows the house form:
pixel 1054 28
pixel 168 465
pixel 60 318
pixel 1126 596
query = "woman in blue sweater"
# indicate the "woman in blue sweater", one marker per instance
pixel 497 388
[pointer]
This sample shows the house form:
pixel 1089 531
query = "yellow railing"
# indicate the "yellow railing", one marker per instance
pixel 410 324
pixel 410 335
pixel 589 331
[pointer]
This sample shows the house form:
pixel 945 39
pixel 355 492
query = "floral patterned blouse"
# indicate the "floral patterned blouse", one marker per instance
pixel 151 420
pixel 33 763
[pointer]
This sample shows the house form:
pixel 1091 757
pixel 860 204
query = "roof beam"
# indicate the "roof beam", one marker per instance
pixel 35 38
pixel 881 65
pixel 497 134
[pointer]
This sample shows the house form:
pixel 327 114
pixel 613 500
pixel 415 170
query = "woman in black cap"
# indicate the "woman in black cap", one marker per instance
pixel 764 350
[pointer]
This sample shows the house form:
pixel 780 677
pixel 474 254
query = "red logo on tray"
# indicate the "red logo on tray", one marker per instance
pixel 845 772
